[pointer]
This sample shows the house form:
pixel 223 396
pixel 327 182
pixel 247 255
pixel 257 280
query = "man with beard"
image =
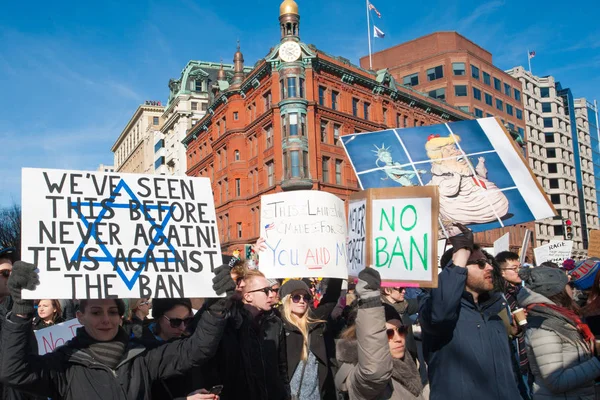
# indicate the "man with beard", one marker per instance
pixel 465 341
pixel 466 195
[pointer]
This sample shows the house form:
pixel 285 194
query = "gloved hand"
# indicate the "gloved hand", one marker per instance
pixel 222 283
pixel 368 288
pixel 23 276
pixel 462 241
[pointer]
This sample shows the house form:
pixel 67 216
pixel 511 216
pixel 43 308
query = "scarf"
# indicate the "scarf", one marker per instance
pixel 568 315
pixel 108 353
pixel 406 372
pixel 511 292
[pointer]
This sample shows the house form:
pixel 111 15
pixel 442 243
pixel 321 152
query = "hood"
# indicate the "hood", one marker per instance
pixel 527 297
pixel 346 351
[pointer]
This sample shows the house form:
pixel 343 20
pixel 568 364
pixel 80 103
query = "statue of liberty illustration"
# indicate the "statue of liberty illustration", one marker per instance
pixel 394 170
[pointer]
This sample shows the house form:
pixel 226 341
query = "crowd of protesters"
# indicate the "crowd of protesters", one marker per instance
pixel 491 329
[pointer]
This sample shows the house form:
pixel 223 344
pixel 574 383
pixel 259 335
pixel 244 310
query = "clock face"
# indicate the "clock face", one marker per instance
pixel 290 51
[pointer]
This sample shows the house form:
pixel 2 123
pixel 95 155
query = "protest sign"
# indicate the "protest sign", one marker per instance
pixel 594 243
pixel 105 235
pixel 50 338
pixel 557 251
pixel 305 234
pixel 584 273
pixel 400 234
pixel 484 181
pixel 502 244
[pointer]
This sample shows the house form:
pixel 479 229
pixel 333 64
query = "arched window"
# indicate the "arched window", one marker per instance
pixel 236 155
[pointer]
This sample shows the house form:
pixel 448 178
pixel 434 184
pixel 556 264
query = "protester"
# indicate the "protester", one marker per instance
pixel 139 309
pixel 464 339
pixel 395 297
pixel 101 362
pixel 310 344
pixel 591 310
pixel 371 353
pixel 48 314
pixel 559 345
pixel 274 294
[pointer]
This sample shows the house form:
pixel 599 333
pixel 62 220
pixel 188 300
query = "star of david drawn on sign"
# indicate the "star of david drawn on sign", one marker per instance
pixel 108 257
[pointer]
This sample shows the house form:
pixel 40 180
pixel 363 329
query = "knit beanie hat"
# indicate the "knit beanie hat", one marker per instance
pixel 544 280
pixel 161 306
pixel 291 286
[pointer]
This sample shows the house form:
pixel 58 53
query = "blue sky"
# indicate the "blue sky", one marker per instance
pixel 73 72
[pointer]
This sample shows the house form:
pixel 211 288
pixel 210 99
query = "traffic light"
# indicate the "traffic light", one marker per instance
pixel 568 226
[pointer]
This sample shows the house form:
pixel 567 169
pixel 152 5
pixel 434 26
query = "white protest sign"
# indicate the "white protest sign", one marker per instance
pixel 102 235
pixel 305 233
pixel 357 235
pixel 557 251
pixel 502 244
pixel 55 336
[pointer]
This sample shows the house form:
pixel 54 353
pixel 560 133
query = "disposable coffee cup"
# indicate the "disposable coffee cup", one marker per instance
pixel 519 316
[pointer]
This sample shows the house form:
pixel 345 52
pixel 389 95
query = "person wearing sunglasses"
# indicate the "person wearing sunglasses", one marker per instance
pixel 310 344
pixel 395 297
pixel 371 353
pixel 464 338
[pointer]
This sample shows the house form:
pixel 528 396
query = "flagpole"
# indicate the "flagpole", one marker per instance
pixel 369 35
pixel 529 60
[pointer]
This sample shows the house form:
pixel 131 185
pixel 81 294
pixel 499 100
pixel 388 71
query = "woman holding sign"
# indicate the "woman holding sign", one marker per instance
pixel 101 362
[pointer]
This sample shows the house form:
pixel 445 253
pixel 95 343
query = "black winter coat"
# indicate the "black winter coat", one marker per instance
pixel 274 355
pixel 322 342
pixel 71 373
pixel 39 323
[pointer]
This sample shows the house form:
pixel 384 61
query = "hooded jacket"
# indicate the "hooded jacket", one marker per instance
pixel 465 343
pixel 71 373
pixel 562 363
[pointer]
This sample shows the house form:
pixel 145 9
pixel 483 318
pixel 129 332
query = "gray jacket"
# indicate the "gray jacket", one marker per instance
pixel 365 371
pixel 562 363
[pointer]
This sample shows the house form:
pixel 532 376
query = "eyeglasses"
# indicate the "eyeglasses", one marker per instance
pixel 265 290
pixel 390 332
pixel 5 273
pixel 145 303
pixel 399 289
pixel 297 297
pixel 275 290
pixel 176 322
pixel 480 263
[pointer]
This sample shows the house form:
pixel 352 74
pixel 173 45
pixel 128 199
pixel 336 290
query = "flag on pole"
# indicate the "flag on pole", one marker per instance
pixel 372 7
pixel 531 54
pixel 378 33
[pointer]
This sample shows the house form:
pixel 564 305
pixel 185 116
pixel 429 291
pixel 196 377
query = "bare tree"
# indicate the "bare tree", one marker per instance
pixel 10 228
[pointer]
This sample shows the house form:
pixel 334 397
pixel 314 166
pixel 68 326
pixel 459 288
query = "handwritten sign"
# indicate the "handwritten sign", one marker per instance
pixel 55 336
pixel 594 243
pixel 305 233
pixel 357 235
pixel 502 244
pixel 401 234
pixel 105 235
pixel 557 251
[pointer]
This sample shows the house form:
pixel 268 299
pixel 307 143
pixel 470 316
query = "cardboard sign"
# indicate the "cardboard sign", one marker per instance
pixel 305 233
pixel 594 243
pixel 557 251
pixel 584 274
pixel 484 181
pixel 98 235
pixel 502 244
pixel 357 235
pixel 401 235
pixel 55 336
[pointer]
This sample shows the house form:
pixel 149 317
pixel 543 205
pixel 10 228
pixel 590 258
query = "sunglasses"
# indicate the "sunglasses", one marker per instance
pixel 275 290
pixel 399 289
pixel 145 303
pixel 176 322
pixel 390 332
pixel 5 273
pixel 265 290
pixel 297 297
pixel 480 263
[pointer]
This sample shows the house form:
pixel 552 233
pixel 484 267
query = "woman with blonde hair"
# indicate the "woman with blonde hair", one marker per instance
pixel 309 340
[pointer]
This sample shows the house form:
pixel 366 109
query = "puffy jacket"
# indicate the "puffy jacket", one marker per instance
pixel 562 363
pixel 71 373
pixel 465 343
pixel 274 355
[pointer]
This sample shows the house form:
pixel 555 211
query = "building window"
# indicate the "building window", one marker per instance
pixel 545 92
pixel 552 168
pixel 517 95
pixel 497 84
pixel 321 96
pixel 334 100
pixel 366 110
pixel 464 108
pixel 476 94
pixel 324 131
pixel 478 112
pixel 499 105
pixel 435 73
pixel 546 107
pixel 487 114
pixel 236 155
pixel 385 116
pixel 159 161
pixel 267 100
pixel 282 86
pixel 336 133
pixel 269 136
pixel 239 229
pixel 238 187
pixel 159 145
pixel 235 115
pixel 488 99
pixel 355 107
pixel 295 163
pixel 293 123
pixel 549 137
pixel 198 85
pixel 519 114
pixel 154 120
pixel 547 122
pixel 204 106
pixel 511 126
pixel 551 153
pixel 301 84
pixel 291 87
pixel 475 72
pixel 458 68
pixel 411 80
pixel 270 173
pixel 509 109
pixel 194 106
pixel 507 89
pixel 460 90
pixel 486 78
pixel 338 172
pixel 305 164
pixel 439 94
pixel 521 132
pixel 325 166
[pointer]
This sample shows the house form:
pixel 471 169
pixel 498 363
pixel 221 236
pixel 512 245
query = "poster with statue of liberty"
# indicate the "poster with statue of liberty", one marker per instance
pixel 484 182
